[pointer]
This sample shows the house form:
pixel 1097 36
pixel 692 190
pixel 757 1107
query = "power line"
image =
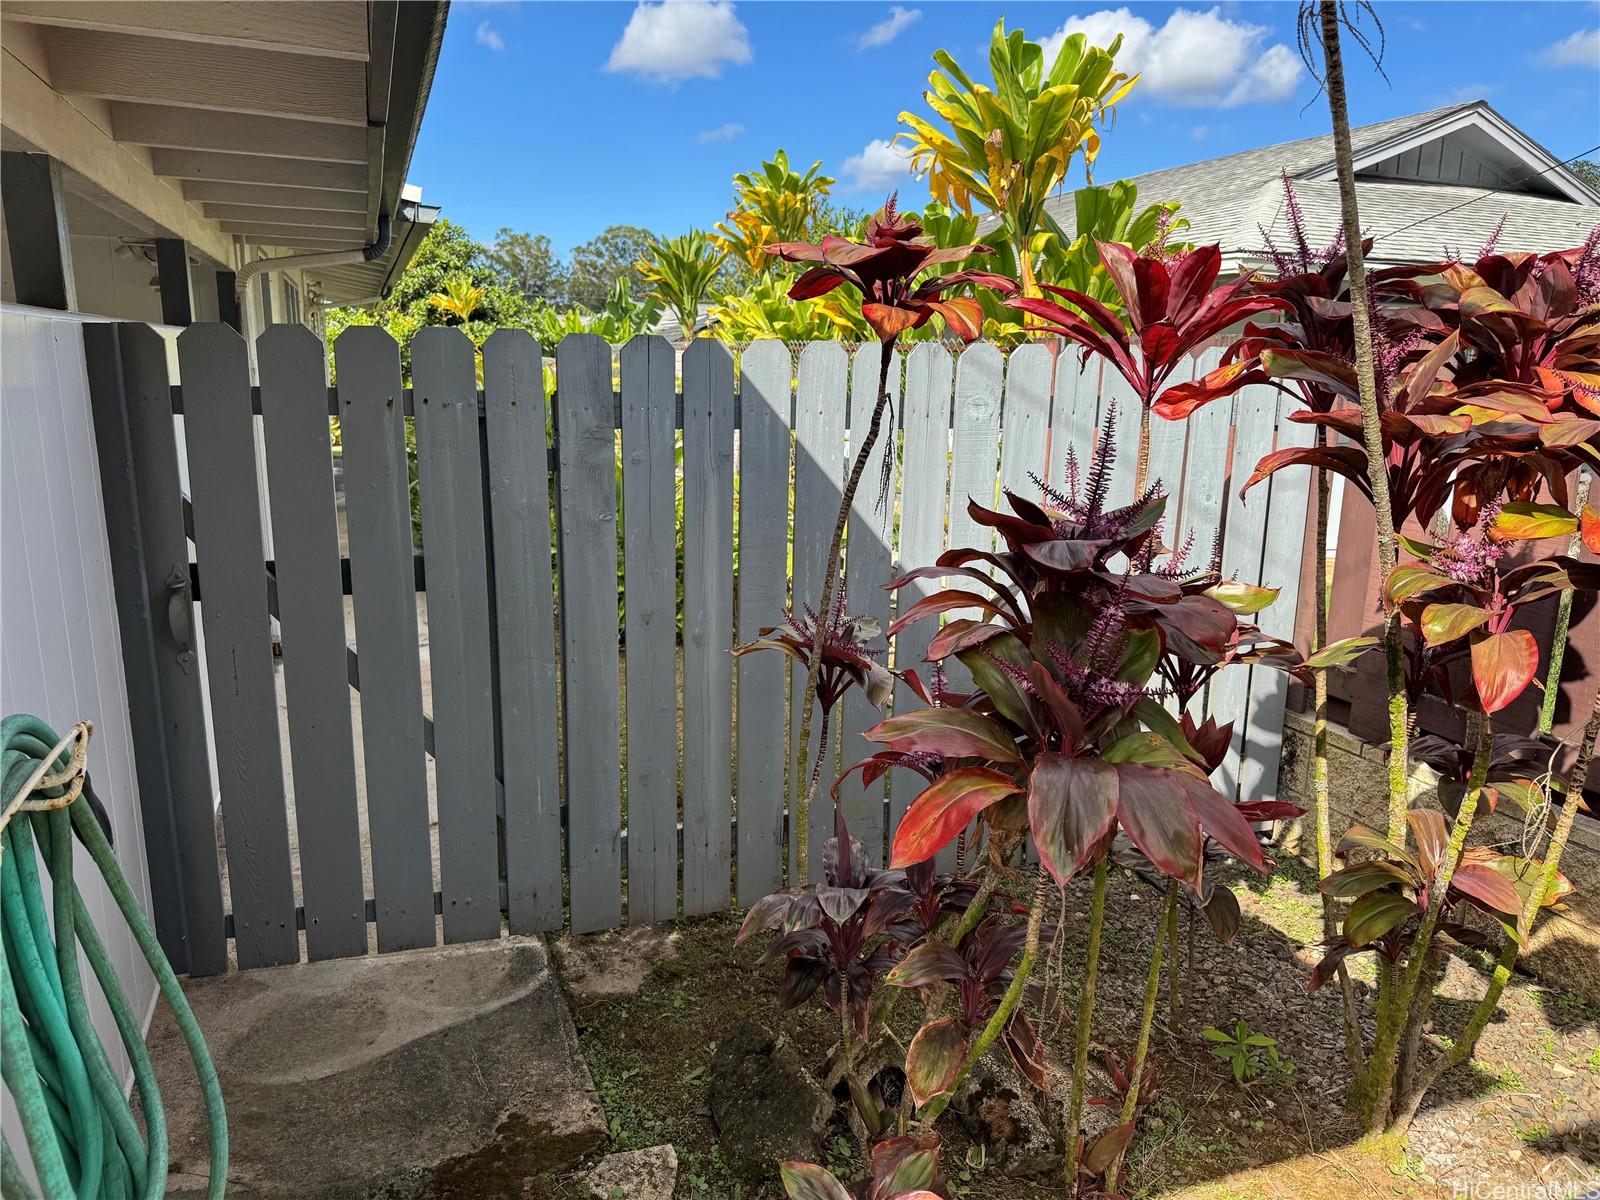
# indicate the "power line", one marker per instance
pixel 1496 191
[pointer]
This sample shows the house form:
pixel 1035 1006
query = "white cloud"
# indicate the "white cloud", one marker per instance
pixel 885 31
pixel 488 37
pixel 1194 58
pixel 1200 133
pixel 722 133
pixel 680 39
pixel 1468 91
pixel 881 165
pixel 1581 49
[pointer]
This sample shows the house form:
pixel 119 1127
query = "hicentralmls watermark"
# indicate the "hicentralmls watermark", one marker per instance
pixel 1525 1189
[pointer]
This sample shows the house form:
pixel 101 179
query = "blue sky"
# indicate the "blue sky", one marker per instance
pixel 563 118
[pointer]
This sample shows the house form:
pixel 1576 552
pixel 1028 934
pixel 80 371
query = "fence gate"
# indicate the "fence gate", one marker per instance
pixel 505 697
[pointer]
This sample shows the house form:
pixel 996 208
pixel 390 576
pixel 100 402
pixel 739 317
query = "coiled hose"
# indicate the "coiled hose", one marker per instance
pixel 81 1132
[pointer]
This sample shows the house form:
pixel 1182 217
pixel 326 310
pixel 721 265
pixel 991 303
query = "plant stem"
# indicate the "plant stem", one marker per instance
pixel 1141 464
pixel 1080 1061
pixel 1392 1023
pixel 1371 430
pixel 1002 1014
pixel 1174 990
pixel 1321 805
pixel 977 909
pixel 830 577
pixel 1152 991
pixel 1465 1045
pixel 1558 639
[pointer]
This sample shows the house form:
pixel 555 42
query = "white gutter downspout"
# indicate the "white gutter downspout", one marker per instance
pixel 322 258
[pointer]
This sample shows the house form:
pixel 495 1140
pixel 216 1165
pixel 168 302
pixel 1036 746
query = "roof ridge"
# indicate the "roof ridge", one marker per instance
pixel 1390 126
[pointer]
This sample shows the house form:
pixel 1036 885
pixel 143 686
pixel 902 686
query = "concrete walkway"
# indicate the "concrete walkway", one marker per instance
pixel 447 1073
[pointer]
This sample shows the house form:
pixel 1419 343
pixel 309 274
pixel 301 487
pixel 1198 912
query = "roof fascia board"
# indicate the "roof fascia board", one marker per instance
pixel 1537 159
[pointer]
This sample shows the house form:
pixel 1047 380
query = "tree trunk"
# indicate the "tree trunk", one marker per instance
pixel 1372 434
pixel 1558 639
pixel 1379 1087
pixel 1322 815
pixel 1147 1018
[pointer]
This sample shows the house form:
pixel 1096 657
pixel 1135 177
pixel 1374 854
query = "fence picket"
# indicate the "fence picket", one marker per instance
pixel 383 586
pixel 1205 472
pixel 131 398
pixel 925 458
pixel 764 394
pixel 294 412
pixel 818 485
pixel 244 710
pixel 450 473
pixel 650 572
pixel 586 441
pixel 1116 396
pixel 1167 439
pixel 1243 539
pixel 707 625
pixel 869 565
pixel 1025 437
pixel 519 517
pixel 1075 414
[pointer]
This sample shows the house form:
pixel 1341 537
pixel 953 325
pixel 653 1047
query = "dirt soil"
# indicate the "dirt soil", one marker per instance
pixel 1524 1114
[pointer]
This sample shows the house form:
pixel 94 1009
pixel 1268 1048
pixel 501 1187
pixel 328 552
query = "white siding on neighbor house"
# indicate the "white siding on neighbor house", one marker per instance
pixel 60 651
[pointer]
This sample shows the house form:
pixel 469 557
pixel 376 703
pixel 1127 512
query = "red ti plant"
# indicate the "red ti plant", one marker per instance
pixel 1482 412
pixel 839 645
pixel 1065 736
pixel 885 269
pixel 901 1168
pixel 839 938
pixel 1461 597
pixel 1173 307
pixel 1402 896
pixel 840 935
pixel 1390 888
pixel 980 969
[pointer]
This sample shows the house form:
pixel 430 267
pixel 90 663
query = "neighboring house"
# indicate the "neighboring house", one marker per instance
pixel 156 154
pixel 1427 185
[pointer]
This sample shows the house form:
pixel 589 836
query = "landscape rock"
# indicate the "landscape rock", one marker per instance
pixel 1018 1129
pixel 635 1175
pixel 766 1106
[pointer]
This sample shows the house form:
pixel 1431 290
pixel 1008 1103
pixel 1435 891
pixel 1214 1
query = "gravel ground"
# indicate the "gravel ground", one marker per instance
pixel 1524 1113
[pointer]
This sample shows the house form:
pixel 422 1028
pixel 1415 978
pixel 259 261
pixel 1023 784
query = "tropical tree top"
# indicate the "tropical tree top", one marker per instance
pixel 680 272
pixel 1010 145
pixel 774 204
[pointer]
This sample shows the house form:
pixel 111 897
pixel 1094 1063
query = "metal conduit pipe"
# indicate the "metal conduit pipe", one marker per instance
pixel 321 258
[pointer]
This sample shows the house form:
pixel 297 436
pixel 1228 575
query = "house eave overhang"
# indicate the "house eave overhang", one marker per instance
pixel 250 129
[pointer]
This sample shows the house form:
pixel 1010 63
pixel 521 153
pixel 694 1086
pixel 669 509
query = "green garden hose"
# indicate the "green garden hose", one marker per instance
pixel 81 1132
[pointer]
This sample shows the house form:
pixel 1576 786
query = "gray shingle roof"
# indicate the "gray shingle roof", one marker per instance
pixel 1229 200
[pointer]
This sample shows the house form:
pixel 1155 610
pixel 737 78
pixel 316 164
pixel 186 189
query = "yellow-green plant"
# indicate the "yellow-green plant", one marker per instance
pixel 458 299
pixel 1010 145
pixel 774 204
pixel 680 272
pixel 763 310
pixel 1106 214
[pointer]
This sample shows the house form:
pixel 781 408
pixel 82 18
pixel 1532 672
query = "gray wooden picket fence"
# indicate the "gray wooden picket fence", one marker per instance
pixel 552 776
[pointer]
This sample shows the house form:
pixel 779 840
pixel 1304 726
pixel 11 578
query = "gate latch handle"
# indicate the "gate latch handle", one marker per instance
pixel 179 611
